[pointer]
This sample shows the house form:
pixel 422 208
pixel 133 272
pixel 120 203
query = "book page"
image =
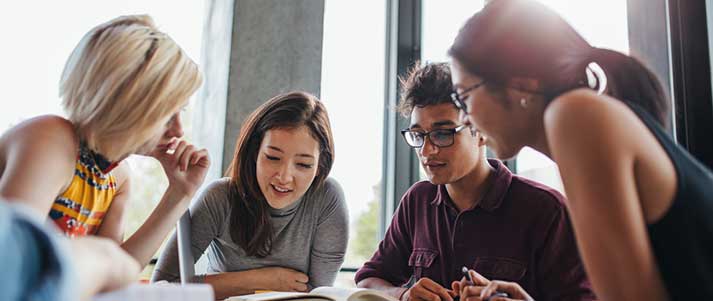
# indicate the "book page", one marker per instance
pixel 353 294
pixel 278 296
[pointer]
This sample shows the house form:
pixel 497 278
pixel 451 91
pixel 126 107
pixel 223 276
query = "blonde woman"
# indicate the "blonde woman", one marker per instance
pixel 123 88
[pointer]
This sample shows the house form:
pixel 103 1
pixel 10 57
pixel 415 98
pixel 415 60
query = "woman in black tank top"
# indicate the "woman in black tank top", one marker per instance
pixel 641 206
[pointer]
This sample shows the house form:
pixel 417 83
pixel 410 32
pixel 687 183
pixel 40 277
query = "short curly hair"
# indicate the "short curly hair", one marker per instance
pixel 424 86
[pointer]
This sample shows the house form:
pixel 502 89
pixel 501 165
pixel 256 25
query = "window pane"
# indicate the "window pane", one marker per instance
pixel 353 54
pixel 604 32
pixel 440 22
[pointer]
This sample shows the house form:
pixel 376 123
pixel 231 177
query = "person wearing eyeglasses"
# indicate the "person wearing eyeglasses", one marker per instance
pixel 641 204
pixel 472 212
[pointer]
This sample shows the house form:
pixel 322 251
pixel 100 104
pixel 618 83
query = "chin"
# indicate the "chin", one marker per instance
pixel 437 180
pixel 505 154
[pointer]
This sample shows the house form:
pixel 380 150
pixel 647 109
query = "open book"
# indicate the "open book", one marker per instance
pixel 320 293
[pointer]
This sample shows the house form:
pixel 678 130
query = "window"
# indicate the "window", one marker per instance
pixel 443 19
pixel 353 55
pixel 610 32
pixel 38 46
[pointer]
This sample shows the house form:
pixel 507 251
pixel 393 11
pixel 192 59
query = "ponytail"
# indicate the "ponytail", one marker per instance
pixel 628 80
pixel 524 38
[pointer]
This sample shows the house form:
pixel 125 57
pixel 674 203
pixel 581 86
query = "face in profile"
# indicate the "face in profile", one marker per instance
pixel 459 152
pixel 494 119
pixel 163 135
pixel 286 165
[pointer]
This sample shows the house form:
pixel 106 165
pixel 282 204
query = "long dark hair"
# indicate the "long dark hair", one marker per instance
pixel 250 217
pixel 523 38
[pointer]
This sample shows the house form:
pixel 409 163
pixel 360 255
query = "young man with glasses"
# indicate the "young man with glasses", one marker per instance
pixel 472 212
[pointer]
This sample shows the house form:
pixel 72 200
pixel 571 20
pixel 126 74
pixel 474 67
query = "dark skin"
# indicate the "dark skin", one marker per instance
pixel 461 167
pixel 617 176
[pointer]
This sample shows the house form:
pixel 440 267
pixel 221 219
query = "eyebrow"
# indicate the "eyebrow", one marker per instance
pixel 435 124
pixel 442 123
pixel 280 150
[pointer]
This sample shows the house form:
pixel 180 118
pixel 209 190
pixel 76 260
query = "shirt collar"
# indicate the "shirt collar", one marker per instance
pixel 494 195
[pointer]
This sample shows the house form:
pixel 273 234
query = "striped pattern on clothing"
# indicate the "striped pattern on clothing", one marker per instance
pixel 80 209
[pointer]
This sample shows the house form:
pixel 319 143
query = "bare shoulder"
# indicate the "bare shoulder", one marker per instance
pixel 582 106
pixel 583 114
pixel 122 173
pixel 39 152
pixel 43 133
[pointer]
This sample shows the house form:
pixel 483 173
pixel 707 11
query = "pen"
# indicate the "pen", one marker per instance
pixel 470 279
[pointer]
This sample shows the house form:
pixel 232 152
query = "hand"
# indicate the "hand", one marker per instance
pixel 102 265
pixel 426 289
pixel 484 289
pixel 184 165
pixel 285 280
pixel 470 291
pixel 513 289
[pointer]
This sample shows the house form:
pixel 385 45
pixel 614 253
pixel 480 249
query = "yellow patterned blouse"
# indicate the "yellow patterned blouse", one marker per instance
pixel 80 209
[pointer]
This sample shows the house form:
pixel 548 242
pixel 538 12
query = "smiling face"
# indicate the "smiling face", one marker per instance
pixel 445 165
pixel 286 165
pixel 503 122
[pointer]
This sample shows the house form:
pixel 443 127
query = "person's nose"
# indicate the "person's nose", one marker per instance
pixel 285 174
pixel 428 147
pixel 175 127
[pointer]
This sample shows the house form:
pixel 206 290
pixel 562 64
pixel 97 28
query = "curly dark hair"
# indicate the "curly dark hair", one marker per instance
pixel 424 86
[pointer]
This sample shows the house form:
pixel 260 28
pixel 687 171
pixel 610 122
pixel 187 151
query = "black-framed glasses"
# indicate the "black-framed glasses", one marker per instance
pixel 458 99
pixel 439 137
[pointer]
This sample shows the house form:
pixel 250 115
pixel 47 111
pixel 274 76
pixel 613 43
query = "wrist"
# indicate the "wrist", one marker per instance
pixel 177 194
pixel 255 279
pixel 402 293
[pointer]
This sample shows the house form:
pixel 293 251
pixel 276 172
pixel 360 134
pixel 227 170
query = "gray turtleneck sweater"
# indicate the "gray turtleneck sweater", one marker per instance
pixel 310 236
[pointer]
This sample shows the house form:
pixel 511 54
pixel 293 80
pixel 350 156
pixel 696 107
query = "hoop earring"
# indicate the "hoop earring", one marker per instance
pixel 523 103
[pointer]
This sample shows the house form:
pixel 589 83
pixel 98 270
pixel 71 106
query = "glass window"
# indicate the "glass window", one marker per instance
pixel 443 19
pixel 353 54
pixel 605 32
pixel 37 46
pixel 440 22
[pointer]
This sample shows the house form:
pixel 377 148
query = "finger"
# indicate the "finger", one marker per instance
pixel 497 298
pixel 477 278
pixel 420 293
pixel 511 288
pixel 180 147
pixel 302 278
pixel 185 157
pixel 471 291
pixel 202 158
pixel 300 287
pixel 437 289
pixel 455 286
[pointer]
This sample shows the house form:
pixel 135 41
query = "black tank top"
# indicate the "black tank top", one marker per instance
pixel 682 240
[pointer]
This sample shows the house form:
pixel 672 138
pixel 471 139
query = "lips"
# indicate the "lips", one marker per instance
pixel 432 164
pixel 280 190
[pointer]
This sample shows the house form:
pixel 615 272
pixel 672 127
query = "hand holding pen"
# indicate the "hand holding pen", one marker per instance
pixel 475 287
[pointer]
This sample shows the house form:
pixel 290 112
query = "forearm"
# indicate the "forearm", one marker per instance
pixel 142 245
pixel 237 283
pixel 382 285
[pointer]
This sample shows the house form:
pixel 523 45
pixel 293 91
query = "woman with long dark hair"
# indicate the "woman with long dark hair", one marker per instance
pixel 640 204
pixel 277 223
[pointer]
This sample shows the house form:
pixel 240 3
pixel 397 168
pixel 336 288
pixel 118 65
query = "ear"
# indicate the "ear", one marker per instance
pixel 522 88
pixel 480 140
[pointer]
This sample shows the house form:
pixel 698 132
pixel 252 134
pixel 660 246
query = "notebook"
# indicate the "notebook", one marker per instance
pixel 323 293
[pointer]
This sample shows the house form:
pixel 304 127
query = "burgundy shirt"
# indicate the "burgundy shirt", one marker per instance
pixel 519 231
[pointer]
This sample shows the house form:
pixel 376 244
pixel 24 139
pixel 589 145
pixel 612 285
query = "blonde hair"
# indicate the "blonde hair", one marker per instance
pixel 123 81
